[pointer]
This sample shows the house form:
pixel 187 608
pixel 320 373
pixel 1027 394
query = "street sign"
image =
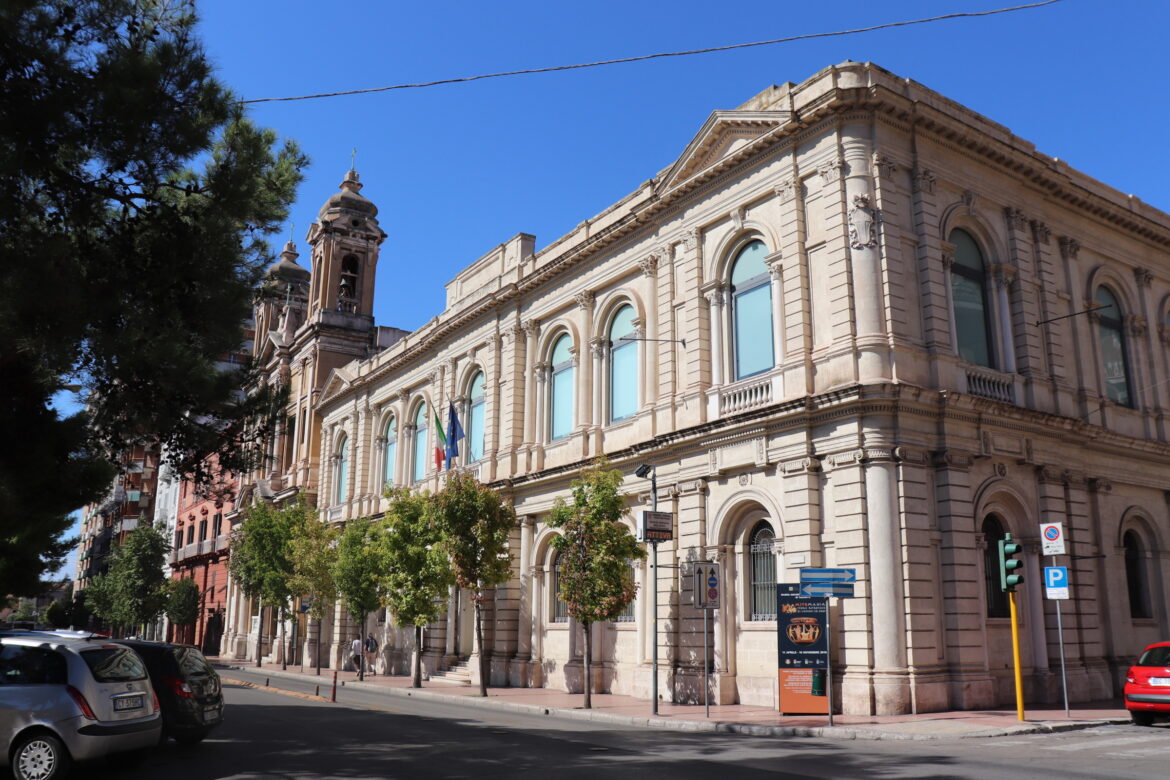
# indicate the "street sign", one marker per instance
pixel 1056 582
pixel 1051 539
pixel 828 575
pixel 706 590
pixel 840 589
pixel 657 527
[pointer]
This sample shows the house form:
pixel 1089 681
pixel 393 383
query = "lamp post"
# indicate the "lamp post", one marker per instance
pixel 642 471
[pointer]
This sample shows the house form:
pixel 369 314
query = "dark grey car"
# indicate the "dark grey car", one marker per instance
pixel 64 700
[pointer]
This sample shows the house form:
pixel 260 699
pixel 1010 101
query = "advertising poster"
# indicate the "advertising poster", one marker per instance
pixel 803 647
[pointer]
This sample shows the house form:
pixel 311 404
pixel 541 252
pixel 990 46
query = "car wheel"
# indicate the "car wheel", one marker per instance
pixel 1141 718
pixel 189 737
pixel 40 757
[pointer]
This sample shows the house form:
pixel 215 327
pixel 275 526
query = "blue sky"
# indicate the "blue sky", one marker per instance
pixel 457 169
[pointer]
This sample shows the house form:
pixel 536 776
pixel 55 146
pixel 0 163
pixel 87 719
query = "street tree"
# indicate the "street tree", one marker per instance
pixel 133 591
pixel 261 559
pixel 182 603
pixel 595 553
pixel 358 572
pixel 475 522
pixel 314 555
pixel 417 574
pixel 57 614
pixel 135 199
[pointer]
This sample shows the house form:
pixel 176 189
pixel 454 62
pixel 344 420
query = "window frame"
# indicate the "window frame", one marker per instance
pixel 476 405
pixel 626 348
pixel 1136 575
pixel 981 277
pixel 390 452
pixel 1114 324
pixel 418 463
pixel 566 368
pixel 341 471
pixel 737 293
pixel 755 560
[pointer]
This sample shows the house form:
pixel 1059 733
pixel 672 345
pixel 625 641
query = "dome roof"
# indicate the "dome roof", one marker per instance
pixel 287 267
pixel 349 198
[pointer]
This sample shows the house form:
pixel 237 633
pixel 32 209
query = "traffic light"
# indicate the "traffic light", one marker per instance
pixel 1008 564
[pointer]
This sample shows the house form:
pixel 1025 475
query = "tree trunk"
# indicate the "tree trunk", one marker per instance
pixel 320 622
pixel 283 640
pixel 483 665
pixel 259 636
pixel 416 662
pixel 362 654
pixel 588 658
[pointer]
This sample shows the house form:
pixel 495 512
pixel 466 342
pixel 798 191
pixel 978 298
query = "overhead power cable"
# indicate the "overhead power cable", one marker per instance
pixel 708 50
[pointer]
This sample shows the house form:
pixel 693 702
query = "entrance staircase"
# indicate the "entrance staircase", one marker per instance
pixel 459 673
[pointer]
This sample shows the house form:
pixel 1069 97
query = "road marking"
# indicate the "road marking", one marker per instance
pixel 1140 753
pixel 308 696
pixel 1096 744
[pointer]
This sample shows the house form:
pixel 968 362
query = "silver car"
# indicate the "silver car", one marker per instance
pixel 64 700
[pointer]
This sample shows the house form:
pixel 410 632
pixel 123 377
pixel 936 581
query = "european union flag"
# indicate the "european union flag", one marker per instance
pixel 454 434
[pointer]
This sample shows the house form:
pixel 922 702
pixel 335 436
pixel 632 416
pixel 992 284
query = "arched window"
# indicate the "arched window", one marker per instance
pixel 347 293
pixel 419 461
pixel 341 472
pixel 476 418
pixel 561 395
pixel 1135 576
pixel 997 600
pixel 623 365
pixel 751 311
pixel 762 549
pixel 969 297
pixel 1114 362
pixel 389 451
pixel 560 608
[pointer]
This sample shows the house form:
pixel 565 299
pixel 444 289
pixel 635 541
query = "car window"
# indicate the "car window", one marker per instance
pixel 1155 656
pixel 192 662
pixel 31 666
pixel 114 664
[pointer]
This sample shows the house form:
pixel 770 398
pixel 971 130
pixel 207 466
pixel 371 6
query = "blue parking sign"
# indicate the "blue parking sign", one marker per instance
pixel 1056 582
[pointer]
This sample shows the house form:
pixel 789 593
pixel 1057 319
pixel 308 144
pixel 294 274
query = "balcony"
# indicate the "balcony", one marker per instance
pixel 987 383
pixel 748 394
pixel 126 524
pixel 222 542
pixel 333 514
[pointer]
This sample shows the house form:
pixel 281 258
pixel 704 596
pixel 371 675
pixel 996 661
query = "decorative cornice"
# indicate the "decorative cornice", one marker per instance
pixel 952 459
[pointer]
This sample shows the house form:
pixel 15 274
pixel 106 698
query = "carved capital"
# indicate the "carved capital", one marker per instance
pixel 809 464
pixel 1099 485
pixel 884 166
pixel 531 327
pixel 738 216
pixel 969 200
pixel 785 190
pixel 1015 218
pixel 1040 231
pixel 1069 247
pixel 831 171
pixel 714 295
pixel 1143 277
pixel 924 181
pixel 690 238
pixel 952 459
pixel 1051 475
pixel 1137 325
pixel 584 299
pixel 1003 274
pixel 649 264
pixel 1091 310
pixel 403 396
pixel 598 346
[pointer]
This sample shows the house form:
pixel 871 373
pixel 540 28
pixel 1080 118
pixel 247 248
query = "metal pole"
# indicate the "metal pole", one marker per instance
pixel 654 598
pixel 706 667
pixel 1060 639
pixel 828 662
pixel 1016 655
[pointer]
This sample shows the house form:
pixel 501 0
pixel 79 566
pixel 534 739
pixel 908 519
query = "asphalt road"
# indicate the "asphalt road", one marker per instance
pixel 368 735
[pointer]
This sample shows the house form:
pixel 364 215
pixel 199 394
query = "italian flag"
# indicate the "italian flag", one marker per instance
pixel 440 442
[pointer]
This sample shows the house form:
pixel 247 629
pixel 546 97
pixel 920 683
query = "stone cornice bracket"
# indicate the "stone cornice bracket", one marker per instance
pixel 785 190
pixel 1143 277
pixel 1099 485
pixel 515 331
pixel 831 171
pixel 862 223
pixel 969 200
pixel 877 455
pixel 1015 218
pixel 694 486
pixel 1069 247
pixel 585 299
pixel 1040 231
pixel 884 166
pixel 951 459
pixel 649 263
pixel 690 238
pixel 809 464
pixel 1051 475
pixel 924 181
pixel 1137 325
pixel 403 396
pixel 737 217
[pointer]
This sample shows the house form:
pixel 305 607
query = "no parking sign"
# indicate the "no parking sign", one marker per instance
pixel 1052 539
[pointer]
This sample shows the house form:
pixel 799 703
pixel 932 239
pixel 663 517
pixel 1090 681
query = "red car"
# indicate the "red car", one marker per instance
pixel 1147 685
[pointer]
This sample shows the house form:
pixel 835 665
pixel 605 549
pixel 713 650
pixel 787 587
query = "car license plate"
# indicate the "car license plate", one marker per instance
pixel 127 703
pixel 211 714
pixel 1160 681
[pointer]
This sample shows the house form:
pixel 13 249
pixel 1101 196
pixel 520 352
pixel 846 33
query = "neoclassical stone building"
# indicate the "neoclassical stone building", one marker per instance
pixel 854 325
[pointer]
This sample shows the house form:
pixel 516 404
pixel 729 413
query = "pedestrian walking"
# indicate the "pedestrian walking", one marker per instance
pixel 371 653
pixel 356 649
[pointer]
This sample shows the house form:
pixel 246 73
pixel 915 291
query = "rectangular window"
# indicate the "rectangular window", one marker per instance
pixel 562 405
pixel 970 320
pixel 190 533
pixel 1113 360
pixel 753 331
pixel 623 382
pixel 475 427
pixel 218 524
pixel 202 529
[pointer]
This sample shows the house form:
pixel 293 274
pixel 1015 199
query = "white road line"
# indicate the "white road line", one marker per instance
pixel 1096 744
pixel 1140 753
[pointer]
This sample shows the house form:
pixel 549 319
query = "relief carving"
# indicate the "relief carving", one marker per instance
pixel 862 219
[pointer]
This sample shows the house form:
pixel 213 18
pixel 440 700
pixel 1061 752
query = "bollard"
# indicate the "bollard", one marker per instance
pixel 333 696
pixel 266 683
pixel 317 692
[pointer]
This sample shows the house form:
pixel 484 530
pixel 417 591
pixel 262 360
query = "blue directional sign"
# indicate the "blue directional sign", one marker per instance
pixel 840 589
pixel 828 575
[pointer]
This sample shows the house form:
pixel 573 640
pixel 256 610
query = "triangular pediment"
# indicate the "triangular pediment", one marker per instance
pixel 338 381
pixel 269 345
pixel 725 137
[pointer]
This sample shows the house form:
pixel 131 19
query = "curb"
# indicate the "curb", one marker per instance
pixel 691 726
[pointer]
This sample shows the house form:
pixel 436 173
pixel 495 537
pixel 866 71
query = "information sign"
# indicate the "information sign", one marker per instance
pixel 1052 539
pixel 828 575
pixel 706 587
pixel 657 526
pixel 1056 582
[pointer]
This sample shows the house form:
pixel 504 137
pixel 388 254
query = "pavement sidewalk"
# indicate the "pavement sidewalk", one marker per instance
pixel 725 718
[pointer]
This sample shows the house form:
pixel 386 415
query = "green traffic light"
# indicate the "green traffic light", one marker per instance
pixel 1008 564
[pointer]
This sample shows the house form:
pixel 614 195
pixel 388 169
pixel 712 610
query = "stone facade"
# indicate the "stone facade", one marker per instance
pixel 861 339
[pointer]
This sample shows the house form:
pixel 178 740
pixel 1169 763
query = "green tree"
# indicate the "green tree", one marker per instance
pixel 358 572
pixel 475 522
pixel 596 549
pixel 314 553
pixel 133 591
pixel 79 614
pixel 417 570
pixel 57 614
pixel 261 558
pixel 135 198
pixel 182 602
